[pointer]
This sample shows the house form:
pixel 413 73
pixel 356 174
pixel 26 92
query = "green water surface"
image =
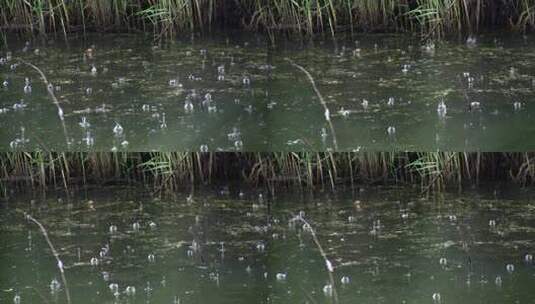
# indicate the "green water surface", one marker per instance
pixel 245 243
pixel 138 82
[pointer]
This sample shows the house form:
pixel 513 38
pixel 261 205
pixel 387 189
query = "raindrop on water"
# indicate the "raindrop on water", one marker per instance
pixel 84 123
pixel 436 297
pixel 328 290
pixel 365 104
pixel 54 286
pixel 260 247
pixel 442 108
pixel 118 129
pixel 93 261
pixel 27 86
pixel 510 268
pixel 16 299
pixel 130 291
pixel 238 145
pixel 114 288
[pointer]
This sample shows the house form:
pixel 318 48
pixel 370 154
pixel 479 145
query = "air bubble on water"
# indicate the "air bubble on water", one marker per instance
pixel 130 291
pixel 94 261
pixel 436 297
pixel 114 288
pixel 281 276
pixel 498 281
pixel 328 290
pixel 510 268
pixel 54 286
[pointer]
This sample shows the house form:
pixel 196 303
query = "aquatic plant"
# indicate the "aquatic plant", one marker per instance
pixel 168 171
pixel 168 17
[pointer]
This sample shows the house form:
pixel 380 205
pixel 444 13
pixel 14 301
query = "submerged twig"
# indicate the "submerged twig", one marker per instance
pixel 43 298
pixel 50 90
pixel 328 264
pixel 54 252
pixel 307 295
pixel 322 100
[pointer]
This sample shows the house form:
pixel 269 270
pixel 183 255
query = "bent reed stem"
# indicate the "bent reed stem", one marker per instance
pixel 50 90
pixel 327 112
pixel 328 264
pixel 54 252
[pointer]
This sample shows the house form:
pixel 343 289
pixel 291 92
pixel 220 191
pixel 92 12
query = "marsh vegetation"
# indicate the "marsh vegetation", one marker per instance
pixel 168 17
pixel 169 171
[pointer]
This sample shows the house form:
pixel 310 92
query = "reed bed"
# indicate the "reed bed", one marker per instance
pixel 433 171
pixel 169 17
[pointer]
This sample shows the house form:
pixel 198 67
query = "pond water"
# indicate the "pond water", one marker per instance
pixel 387 245
pixel 234 92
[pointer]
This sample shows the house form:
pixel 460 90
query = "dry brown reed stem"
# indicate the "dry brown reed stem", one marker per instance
pixel 328 264
pixel 50 91
pixel 54 252
pixel 322 100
